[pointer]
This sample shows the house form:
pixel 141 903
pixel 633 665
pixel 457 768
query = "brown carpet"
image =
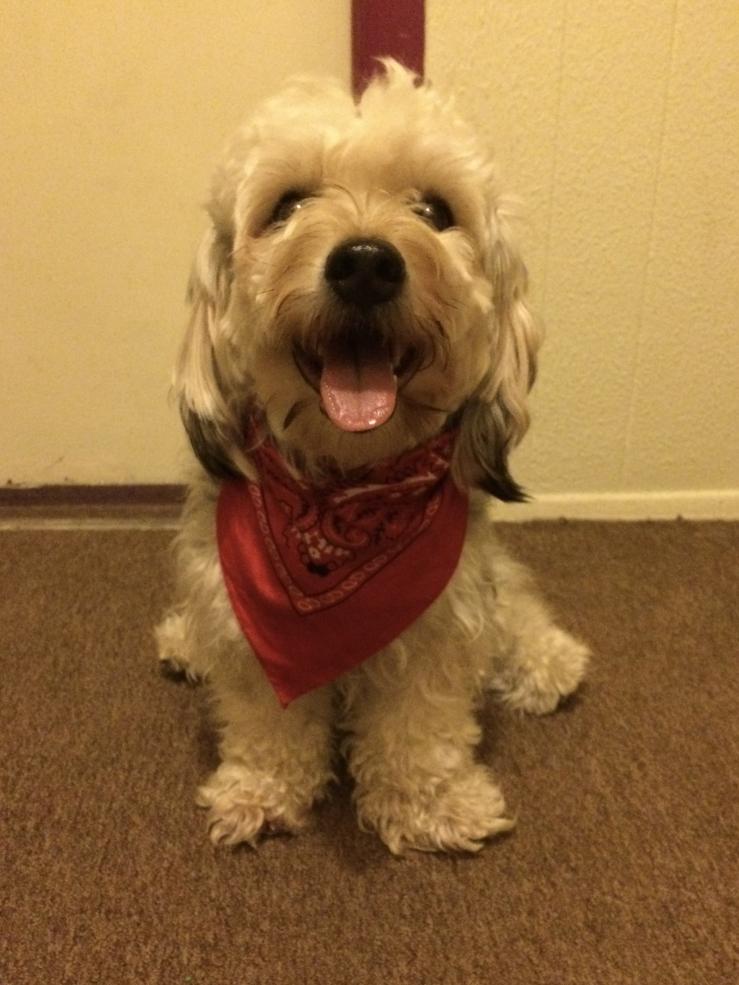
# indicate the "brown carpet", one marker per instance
pixel 623 867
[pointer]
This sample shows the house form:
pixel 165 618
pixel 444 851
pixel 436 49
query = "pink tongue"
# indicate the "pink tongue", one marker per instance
pixel 358 396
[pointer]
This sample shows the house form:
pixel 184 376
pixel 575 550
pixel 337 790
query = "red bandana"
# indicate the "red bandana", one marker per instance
pixel 322 577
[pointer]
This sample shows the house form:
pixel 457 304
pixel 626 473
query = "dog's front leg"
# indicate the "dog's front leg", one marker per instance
pixel 275 762
pixel 410 744
pixel 537 663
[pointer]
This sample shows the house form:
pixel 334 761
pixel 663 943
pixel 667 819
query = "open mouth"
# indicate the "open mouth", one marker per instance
pixel 357 378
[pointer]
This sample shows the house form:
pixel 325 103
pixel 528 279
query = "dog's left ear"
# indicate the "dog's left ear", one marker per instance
pixel 203 362
pixel 496 417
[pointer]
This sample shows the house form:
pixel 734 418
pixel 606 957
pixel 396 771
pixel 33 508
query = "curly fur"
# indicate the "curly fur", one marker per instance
pixel 406 718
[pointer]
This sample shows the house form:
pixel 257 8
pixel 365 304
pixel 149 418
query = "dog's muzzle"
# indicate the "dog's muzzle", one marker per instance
pixel 358 381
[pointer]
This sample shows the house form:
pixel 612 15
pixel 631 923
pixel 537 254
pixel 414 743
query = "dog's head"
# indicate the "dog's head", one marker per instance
pixel 358 289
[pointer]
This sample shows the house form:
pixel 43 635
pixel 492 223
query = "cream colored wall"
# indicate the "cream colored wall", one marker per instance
pixel 111 116
pixel 618 124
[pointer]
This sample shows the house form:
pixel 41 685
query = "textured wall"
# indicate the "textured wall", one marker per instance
pixel 618 125
pixel 111 116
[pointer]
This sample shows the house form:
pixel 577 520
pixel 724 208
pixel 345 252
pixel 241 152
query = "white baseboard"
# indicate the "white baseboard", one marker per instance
pixel 701 504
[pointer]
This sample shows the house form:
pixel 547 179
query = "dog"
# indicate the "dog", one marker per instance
pixel 353 378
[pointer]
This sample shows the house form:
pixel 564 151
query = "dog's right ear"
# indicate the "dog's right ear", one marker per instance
pixel 201 382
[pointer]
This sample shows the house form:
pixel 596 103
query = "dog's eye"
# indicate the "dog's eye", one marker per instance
pixel 289 203
pixel 436 212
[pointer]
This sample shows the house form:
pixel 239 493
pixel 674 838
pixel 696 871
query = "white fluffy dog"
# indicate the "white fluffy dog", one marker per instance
pixel 354 375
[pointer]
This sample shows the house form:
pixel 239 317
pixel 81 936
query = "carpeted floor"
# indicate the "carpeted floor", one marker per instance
pixel 622 869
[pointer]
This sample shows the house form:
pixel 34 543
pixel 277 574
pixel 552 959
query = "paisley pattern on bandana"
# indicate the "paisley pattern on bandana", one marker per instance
pixel 325 542
pixel 320 577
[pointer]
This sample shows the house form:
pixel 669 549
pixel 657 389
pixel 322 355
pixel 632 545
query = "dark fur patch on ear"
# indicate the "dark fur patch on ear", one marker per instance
pixel 483 454
pixel 207 443
pixel 498 481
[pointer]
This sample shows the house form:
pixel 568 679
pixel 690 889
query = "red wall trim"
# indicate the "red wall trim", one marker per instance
pixel 386 27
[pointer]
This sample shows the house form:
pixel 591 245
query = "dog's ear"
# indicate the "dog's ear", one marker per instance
pixel 495 419
pixel 199 375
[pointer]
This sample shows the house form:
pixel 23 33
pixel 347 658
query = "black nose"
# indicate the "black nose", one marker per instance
pixel 365 271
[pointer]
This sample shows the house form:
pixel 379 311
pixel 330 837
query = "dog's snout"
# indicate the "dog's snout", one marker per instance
pixel 365 272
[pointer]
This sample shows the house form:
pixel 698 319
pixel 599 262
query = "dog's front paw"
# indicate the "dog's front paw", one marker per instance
pixel 458 814
pixel 242 804
pixel 172 647
pixel 554 666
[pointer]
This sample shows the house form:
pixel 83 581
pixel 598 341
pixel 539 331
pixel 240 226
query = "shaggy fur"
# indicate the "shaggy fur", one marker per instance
pixel 313 170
